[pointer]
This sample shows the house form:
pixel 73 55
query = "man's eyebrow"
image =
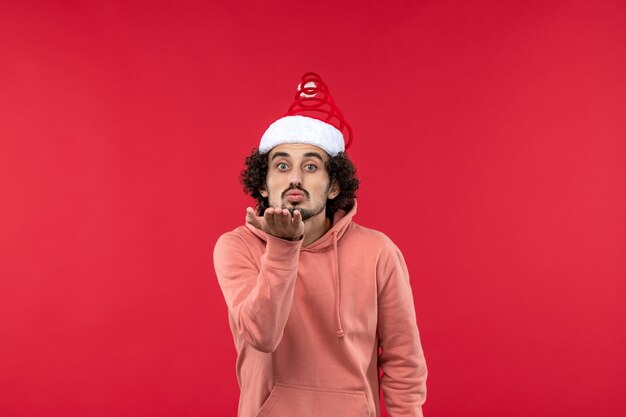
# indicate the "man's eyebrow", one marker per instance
pixel 314 154
pixel 277 154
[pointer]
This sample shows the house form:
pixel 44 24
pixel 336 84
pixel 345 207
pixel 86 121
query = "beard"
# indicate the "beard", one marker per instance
pixel 306 213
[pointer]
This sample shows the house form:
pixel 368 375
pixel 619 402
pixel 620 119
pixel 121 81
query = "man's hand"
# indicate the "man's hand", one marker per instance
pixel 277 222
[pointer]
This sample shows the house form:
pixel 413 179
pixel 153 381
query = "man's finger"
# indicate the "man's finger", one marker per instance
pixel 279 216
pixel 250 215
pixel 269 217
pixel 297 217
pixel 253 219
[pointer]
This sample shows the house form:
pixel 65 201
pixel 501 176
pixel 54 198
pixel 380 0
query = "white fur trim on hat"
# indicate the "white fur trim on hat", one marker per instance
pixel 302 129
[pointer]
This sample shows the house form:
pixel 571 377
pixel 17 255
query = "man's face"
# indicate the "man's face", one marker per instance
pixel 297 179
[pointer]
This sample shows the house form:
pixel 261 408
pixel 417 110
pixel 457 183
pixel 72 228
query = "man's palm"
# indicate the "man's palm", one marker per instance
pixel 277 222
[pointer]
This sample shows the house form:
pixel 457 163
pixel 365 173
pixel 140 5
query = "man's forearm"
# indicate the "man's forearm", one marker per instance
pixel 259 301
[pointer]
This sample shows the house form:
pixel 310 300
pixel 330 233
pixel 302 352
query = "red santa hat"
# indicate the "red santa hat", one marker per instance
pixel 313 119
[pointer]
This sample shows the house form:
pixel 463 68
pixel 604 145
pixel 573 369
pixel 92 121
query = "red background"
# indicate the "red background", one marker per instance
pixel 489 138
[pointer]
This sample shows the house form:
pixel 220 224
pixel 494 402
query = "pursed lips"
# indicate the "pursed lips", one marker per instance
pixel 295 192
pixel 295 196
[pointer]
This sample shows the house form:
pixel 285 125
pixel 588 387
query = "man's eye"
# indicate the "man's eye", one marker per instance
pixel 282 166
pixel 310 167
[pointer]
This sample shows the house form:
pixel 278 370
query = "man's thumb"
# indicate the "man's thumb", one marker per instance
pixel 252 218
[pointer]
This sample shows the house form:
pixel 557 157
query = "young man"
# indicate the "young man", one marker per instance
pixel 317 304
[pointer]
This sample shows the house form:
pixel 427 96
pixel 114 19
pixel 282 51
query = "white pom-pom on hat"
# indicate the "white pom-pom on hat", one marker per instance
pixel 307 86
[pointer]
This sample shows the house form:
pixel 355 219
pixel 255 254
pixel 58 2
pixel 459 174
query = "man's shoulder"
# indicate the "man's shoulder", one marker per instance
pixel 241 235
pixel 371 236
pixel 239 231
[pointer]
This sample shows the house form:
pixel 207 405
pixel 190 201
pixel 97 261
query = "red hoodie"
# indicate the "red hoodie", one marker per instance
pixel 308 322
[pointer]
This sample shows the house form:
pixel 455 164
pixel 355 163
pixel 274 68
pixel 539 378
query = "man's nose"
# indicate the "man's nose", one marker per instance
pixel 295 177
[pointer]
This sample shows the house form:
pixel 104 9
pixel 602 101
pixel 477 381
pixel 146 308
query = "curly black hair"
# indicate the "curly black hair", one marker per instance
pixel 339 167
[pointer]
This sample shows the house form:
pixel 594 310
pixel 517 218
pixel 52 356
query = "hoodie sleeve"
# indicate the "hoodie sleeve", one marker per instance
pixel 402 359
pixel 258 300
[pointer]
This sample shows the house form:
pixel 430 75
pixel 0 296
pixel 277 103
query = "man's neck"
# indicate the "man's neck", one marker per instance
pixel 316 227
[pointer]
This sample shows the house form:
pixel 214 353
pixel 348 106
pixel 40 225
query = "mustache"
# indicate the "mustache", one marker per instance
pixel 295 187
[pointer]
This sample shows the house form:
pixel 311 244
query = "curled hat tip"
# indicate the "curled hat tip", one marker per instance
pixel 313 99
pixel 309 90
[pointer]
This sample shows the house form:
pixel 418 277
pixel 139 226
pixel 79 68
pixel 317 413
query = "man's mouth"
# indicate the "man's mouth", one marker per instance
pixel 295 196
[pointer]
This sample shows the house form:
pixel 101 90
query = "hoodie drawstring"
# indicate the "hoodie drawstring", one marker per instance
pixel 340 332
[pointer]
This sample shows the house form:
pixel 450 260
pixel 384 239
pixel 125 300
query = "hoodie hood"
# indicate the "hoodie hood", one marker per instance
pixel 342 222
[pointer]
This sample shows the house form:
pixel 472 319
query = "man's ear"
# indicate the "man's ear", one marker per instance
pixel 334 190
pixel 263 191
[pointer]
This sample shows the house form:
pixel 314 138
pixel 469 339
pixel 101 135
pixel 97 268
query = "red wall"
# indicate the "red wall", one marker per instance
pixel 489 138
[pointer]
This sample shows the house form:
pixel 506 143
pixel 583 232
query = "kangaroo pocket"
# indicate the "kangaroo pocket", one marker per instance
pixel 298 401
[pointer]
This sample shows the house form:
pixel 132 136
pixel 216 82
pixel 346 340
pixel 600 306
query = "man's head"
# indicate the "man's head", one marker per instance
pixel 301 162
pixel 297 178
pixel 300 176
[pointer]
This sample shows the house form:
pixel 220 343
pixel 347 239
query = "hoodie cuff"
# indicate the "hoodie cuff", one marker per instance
pixel 282 253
